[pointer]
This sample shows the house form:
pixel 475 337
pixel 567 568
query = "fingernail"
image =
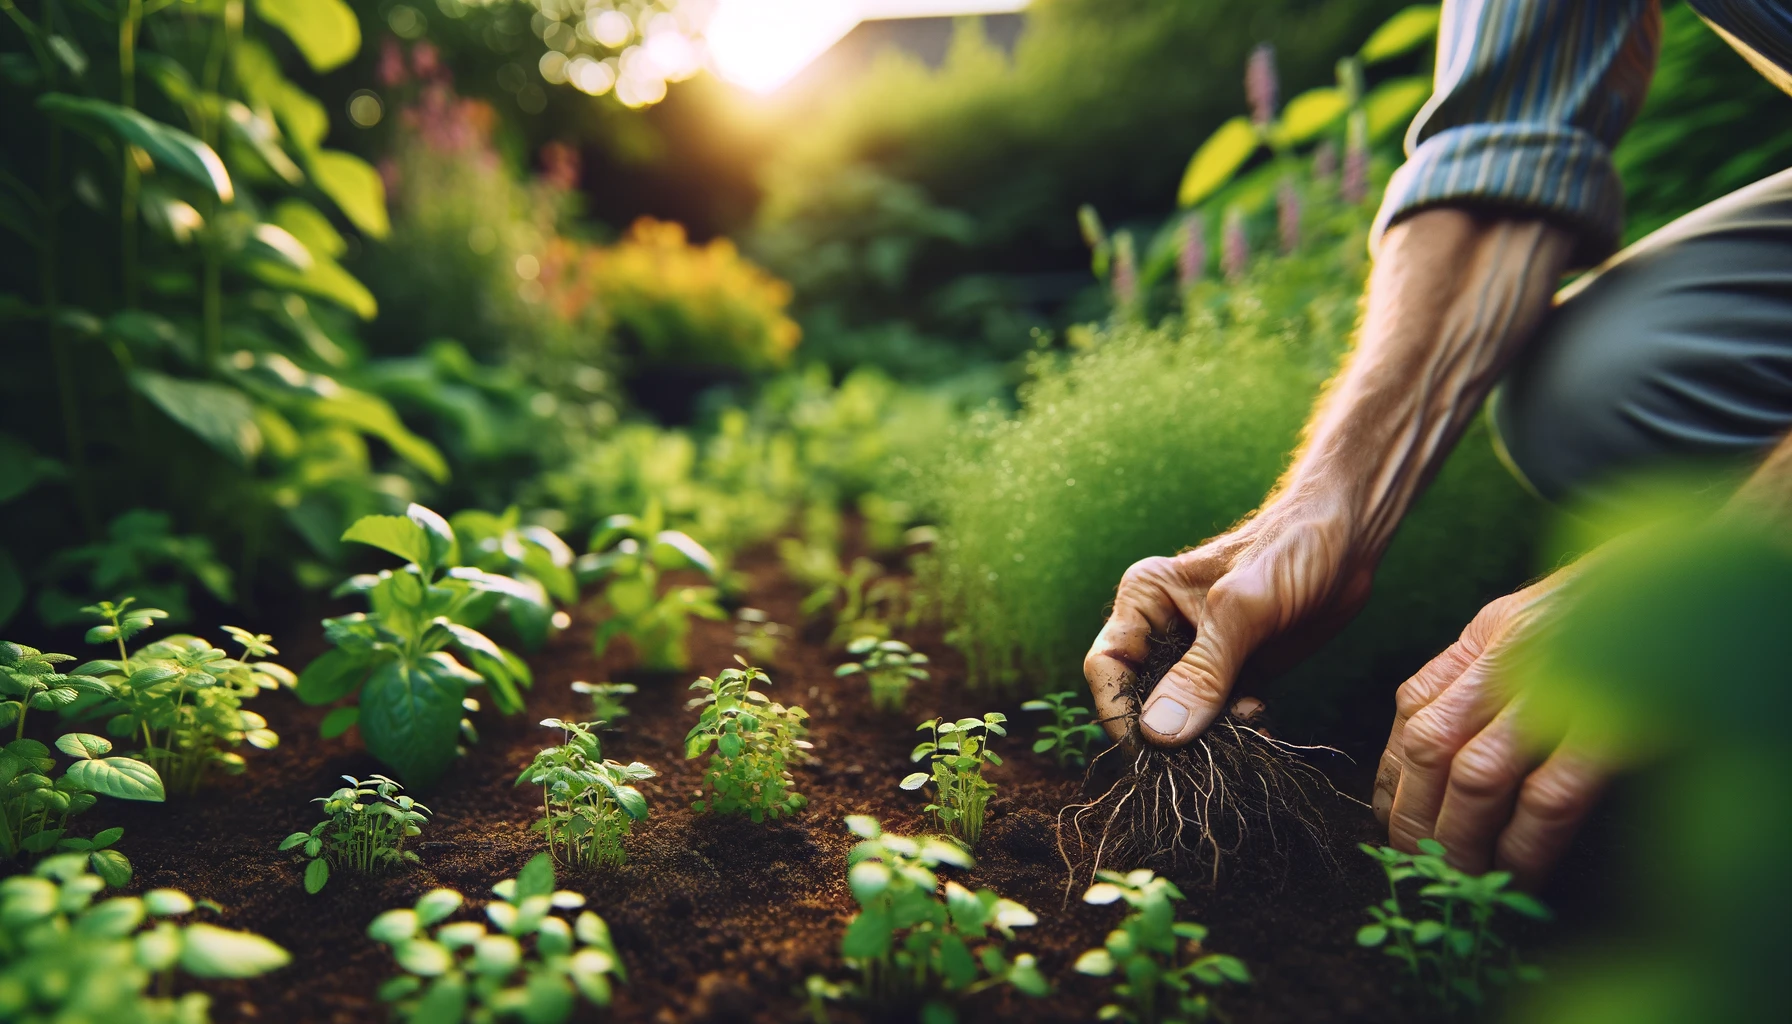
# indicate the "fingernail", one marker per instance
pixel 1164 716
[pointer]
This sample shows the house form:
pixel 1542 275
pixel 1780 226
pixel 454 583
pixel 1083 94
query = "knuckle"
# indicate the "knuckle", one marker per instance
pixel 1553 800
pixel 1411 697
pixel 1429 742
pixel 1478 772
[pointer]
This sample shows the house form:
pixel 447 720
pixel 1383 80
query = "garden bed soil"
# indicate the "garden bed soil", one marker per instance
pixel 719 919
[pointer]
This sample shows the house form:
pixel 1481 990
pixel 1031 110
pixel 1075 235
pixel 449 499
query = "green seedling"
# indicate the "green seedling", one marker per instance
pixel 606 699
pixel 889 666
pixel 180 695
pixel 756 741
pixel 629 553
pixel 913 949
pixel 1165 969
pixel 959 751
pixel 1456 954
pixel 29 682
pixel 588 804
pixel 862 602
pixel 756 634
pixel 412 692
pixel 365 831
pixel 64 957
pixel 534 556
pixel 1064 737
pixel 530 965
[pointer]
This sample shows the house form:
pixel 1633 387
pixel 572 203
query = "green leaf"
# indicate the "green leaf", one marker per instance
pixel 395 534
pixel 915 780
pixel 213 952
pixel 121 777
pixel 217 414
pixel 331 677
pixel 1371 935
pixel 259 134
pixel 325 31
pixel 444 1003
pixel 317 875
pixel 310 227
pixel 536 878
pixel 1391 105
pixel 1218 159
pixel 411 721
pixel 443 549
pixel 167 902
pixel 325 280
pixel 373 415
pixel 112 866
pixel 168 147
pixel 355 187
pixel 868 935
pixel 436 904
pixel 1402 33
pixel 83 745
pixel 338 721
pixel 1309 114
pixel 1098 962
pixel 393 926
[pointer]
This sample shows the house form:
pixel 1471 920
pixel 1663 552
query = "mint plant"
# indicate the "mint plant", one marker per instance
pixel 180 695
pixel 531 965
pixel 606 699
pixel 365 831
pixel 889 666
pixel 959 751
pixel 588 803
pixel 756 741
pixel 1455 954
pixel 64 957
pixel 534 556
pixel 411 691
pixel 757 635
pixel 1164 966
pixel 629 553
pixel 35 809
pixel 1064 737
pixel 29 682
pixel 915 950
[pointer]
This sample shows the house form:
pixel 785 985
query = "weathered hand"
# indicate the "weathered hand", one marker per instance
pixel 1457 767
pixel 1287 574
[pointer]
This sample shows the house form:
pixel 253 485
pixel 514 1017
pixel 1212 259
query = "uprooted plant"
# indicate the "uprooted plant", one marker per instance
pixel 1064 737
pixel 588 803
pixel 533 967
pixel 1161 962
pixel 1456 955
pixel 913 950
pixel 890 667
pixel 64 957
pixel 959 751
pixel 412 692
pixel 1200 804
pixel 365 831
pixel 756 742
pixel 629 554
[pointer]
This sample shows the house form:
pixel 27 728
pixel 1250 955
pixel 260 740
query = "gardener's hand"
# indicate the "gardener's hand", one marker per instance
pixel 1287 573
pixel 1457 768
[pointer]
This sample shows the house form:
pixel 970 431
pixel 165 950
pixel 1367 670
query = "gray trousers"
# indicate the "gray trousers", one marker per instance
pixel 1676 350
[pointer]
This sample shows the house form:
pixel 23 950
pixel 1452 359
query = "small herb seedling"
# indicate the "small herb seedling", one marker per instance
pixel 756 634
pixel 629 553
pixel 756 741
pixel 534 556
pixel 959 750
pixel 530 965
pixel 64 957
pixel 588 804
pixel 913 949
pixel 366 830
pixel 861 602
pixel 1064 737
pixel 1457 956
pixel 1164 967
pixel 890 666
pixel 606 699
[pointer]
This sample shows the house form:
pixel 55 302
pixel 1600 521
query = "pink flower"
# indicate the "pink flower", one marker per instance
pixel 391 65
pixel 1325 160
pixel 1126 273
pixel 1191 256
pixel 1288 215
pixel 560 165
pixel 1235 251
pixel 1260 85
pixel 425 60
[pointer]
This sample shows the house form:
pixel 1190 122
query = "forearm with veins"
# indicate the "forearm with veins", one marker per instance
pixel 1452 298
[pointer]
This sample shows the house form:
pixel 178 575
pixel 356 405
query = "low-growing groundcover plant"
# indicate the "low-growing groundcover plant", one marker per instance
pixel 531 965
pixel 365 831
pixel 411 691
pixel 1161 962
pixel 180 695
pixel 64 957
pixel 914 950
pixel 756 742
pixel 1064 737
pixel 1456 955
pixel 889 667
pixel 959 750
pixel 588 803
pixel 629 553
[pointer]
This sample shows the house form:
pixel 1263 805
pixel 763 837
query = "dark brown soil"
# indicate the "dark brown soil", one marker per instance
pixel 720 919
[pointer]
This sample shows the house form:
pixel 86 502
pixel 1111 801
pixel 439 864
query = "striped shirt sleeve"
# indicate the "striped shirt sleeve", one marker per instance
pixel 1529 99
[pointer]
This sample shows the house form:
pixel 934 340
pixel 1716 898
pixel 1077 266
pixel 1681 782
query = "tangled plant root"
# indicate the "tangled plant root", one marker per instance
pixel 1235 793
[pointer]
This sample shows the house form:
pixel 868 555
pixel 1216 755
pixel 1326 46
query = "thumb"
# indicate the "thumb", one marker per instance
pixel 1193 693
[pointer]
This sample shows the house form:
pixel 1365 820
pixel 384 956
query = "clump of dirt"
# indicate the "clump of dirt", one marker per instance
pixel 1235 794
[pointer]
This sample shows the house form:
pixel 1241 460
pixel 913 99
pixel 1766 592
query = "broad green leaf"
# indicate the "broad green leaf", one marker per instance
pixel 213 952
pixel 393 926
pixel 122 777
pixel 260 135
pixel 1391 105
pixel 536 878
pixel 1309 114
pixel 317 875
pixel 868 935
pixel 167 902
pixel 112 866
pixel 331 677
pixel 411 721
pixel 83 745
pixel 218 414
pixel 309 226
pixel 325 280
pixel 436 904
pixel 395 534
pixel 444 1003
pixel 168 147
pixel 1402 33
pixel 1218 159
pixel 355 187
pixel 338 721
pixel 325 31
pixel 276 245
pixel 1098 962
pixel 443 549
pixel 371 414
pixel 21 468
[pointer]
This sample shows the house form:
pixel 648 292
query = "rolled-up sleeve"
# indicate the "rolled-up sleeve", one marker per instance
pixel 1529 99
